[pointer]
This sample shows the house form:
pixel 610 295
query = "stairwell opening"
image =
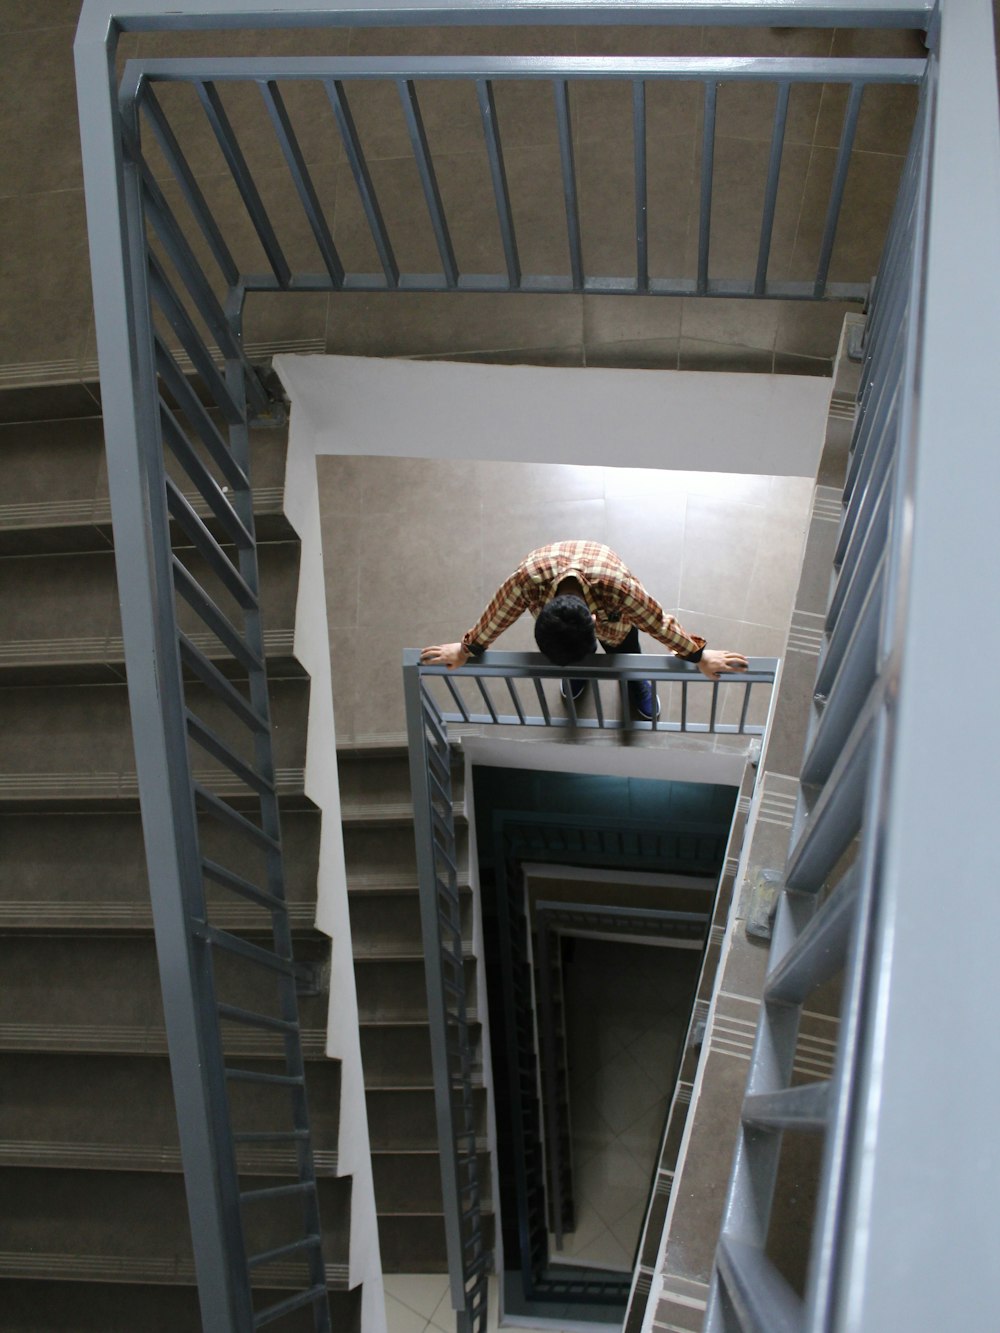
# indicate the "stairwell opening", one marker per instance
pixel 597 895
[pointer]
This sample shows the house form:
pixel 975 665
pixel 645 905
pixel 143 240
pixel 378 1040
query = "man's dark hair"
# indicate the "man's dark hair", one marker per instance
pixel 564 630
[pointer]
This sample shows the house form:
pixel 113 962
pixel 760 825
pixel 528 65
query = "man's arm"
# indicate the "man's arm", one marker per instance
pixel 647 613
pixel 505 606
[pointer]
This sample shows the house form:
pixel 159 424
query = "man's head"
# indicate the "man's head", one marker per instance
pixel 564 630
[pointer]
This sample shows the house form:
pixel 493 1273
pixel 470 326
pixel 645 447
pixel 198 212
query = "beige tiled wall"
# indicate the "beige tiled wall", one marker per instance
pixel 414 549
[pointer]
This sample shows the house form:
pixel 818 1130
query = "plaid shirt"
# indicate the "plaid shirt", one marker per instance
pixel 612 593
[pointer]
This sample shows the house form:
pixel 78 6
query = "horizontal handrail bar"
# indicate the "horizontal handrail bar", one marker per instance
pixel 735 69
pixel 598 666
pixel 149 16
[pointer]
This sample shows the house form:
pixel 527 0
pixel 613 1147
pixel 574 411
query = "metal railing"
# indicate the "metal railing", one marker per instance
pixel 509 689
pixel 503 681
pixel 898 1179
pixel 161 313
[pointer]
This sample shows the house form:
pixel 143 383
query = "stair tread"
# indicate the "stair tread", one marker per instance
pixel 168 1271
pixel 30 914
pixel 136 1039
pixel 145 1157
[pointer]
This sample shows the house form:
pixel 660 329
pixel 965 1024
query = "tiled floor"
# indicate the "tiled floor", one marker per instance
pixel 624 1043
pixel 419 1303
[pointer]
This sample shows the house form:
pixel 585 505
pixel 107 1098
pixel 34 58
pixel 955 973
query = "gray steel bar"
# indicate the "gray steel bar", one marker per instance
pixel 196 414
pixel 240 171
pixel 836 816
pixel 220 625
pixel 278 1311
pixel 641 186
pixel 213 743
pixel 703 69
pixel 220 685
pixel 230 880
pixel 252 1076
pixel 848 693
pixel 237 1015
pixel 424 726
pixel 205 484
pixel 862 558
pixel 149 15
pixel 519 707
pixel 762 1299
pixel 428 179
pixel 251 953
pixel 304 187
pixel 498 174
pixel 185 178
pixel 203 541
pixel 200 291
pixel 135 476
pixel 819 949
pixel 560 89
pixel 837 188
pixel 771 189
pixel 269 1256
pixel 337 96
pixel 221 810
pixel 707 167
pixel 804 1107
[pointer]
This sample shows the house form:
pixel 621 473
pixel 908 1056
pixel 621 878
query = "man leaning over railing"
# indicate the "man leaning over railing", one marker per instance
pixel 582 594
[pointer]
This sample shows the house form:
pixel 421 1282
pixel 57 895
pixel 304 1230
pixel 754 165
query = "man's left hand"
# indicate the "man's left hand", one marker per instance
pixel 715 661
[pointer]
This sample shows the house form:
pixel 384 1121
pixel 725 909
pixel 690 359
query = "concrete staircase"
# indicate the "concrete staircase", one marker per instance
pixel 389 972
pixel 95 1233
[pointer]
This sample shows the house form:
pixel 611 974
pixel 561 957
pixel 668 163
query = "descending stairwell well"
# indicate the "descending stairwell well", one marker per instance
pixel 95 1220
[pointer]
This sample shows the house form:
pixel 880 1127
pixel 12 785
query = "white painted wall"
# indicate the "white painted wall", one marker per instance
pixel 770 425
pixel 332 915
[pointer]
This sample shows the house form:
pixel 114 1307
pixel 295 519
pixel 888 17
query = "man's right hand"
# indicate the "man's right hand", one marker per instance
pixel 450 655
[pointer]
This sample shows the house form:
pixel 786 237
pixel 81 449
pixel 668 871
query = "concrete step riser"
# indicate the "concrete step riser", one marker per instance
pixel 88 870
pixel 94 1307
pixel 143 1217
pixel 72 993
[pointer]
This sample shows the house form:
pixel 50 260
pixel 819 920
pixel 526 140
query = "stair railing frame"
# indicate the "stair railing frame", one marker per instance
pixel 904 1226
pixel 428 739
pixel 128 356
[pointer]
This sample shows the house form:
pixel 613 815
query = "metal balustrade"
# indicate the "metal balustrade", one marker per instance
pixel 484 693
pixel 858 898
pixel 177 383
pixel 691 705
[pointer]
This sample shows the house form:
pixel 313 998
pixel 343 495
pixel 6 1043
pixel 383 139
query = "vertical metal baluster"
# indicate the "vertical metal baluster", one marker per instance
pixel 428 179
pixel 771 190
pixel 837 188
pixel 707 169
pixel 337 95
pixel 498 174
pixel 561 90
pixel 302 181
pixel 240 171
pixel 641 186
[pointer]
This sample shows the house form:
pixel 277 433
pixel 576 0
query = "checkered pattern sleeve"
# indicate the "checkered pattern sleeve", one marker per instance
pixel 507 604
pixel 646 612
